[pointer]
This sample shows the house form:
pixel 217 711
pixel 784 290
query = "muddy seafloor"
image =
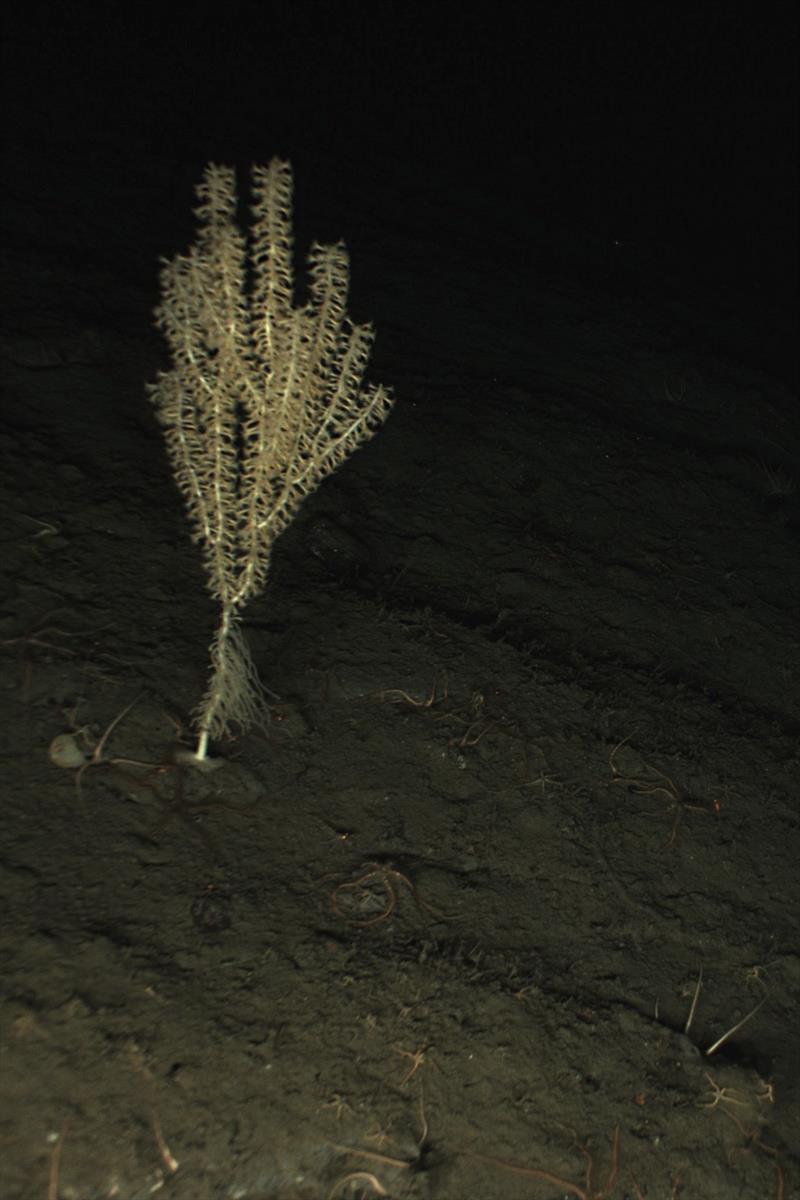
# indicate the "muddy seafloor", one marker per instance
pixel 519 843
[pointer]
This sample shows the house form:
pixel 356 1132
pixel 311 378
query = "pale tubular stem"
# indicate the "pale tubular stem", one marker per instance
pixel 202 745
pixel 734 1029
pixel 695 998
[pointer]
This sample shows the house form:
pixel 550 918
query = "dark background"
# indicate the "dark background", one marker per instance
pixel 669 129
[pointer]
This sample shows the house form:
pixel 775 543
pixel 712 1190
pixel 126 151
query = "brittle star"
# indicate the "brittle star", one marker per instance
pixel 387 877
pixel 585 1192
